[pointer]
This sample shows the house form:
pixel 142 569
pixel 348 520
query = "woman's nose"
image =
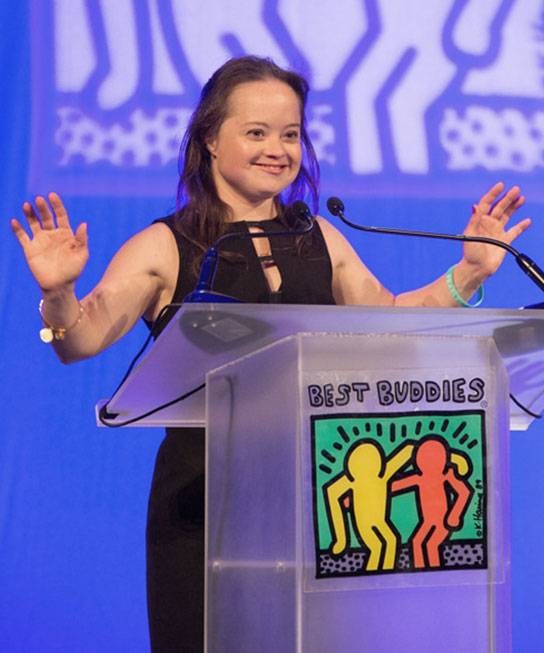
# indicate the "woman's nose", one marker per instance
pixel 274 147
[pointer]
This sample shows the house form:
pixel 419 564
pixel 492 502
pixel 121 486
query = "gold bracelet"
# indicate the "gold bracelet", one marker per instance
pixel 50 333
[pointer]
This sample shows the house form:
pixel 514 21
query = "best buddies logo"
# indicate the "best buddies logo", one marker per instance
pixel 399 491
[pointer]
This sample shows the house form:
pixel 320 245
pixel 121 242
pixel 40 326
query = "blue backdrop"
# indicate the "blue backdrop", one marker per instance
pixel 418 108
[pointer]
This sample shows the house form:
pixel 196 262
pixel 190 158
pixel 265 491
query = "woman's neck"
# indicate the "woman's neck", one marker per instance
pixel 243 210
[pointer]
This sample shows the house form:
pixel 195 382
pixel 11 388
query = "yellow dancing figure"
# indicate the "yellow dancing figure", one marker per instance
pixel 365 487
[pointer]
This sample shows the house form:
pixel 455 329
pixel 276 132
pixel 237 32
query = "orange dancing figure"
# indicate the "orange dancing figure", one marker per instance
pixel 438 519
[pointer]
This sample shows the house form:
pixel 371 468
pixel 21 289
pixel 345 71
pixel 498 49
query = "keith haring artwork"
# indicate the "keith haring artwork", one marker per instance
pixel 399 492
pixel 418 97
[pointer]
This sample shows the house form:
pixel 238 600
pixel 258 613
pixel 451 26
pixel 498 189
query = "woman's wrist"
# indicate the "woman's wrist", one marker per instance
pixel 50 332
pixel 464 280
pixel 60 311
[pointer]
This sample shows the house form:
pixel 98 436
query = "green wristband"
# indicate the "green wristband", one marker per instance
pixel 455 294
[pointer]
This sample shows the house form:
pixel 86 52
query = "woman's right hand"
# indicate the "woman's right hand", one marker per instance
pixel 55 254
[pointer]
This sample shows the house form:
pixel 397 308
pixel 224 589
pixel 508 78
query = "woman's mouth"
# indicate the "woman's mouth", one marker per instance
pixel 274 168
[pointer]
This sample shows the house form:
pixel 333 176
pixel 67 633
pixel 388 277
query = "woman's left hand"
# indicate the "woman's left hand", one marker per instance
pixel 489 219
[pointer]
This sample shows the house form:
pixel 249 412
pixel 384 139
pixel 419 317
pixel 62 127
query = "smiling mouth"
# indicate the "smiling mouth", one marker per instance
pixel 269 167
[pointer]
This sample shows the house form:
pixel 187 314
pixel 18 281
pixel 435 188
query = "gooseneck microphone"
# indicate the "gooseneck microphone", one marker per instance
pixel 531 269
pixel 203 290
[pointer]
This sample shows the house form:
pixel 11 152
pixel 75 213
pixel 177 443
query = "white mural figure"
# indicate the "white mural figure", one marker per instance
pixel 507 136
pixel 336 25
pixel 76 58
pixel 404 31
pixel 165 78
pixel 122 47
pixel 75 52
pixel 203 26
pixel 517 70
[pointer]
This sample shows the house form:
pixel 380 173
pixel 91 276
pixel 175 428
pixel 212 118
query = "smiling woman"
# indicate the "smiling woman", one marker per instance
pixel 245 157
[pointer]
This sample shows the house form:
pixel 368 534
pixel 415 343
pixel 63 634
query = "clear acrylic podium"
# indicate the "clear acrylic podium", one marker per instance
pixel 357 470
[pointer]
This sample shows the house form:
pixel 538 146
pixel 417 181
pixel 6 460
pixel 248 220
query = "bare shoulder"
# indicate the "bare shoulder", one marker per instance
pixel 157 236
pixel 338 245
pixel 326 226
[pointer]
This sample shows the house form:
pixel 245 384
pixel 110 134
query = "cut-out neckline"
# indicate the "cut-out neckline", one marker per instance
pixel 266 258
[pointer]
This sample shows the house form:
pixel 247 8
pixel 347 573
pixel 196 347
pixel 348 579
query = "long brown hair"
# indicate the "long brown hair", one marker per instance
pixel 201 215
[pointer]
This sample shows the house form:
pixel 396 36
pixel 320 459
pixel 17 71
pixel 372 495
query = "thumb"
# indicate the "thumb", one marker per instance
pixel 81 234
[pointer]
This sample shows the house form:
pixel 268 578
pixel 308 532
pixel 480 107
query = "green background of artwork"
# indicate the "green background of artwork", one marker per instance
pixel 403 506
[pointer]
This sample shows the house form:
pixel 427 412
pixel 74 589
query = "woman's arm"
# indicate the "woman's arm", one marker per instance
pixel 139 280
pixel 353 283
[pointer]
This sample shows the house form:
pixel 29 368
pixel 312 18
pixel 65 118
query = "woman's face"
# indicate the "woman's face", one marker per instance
pixel 257 152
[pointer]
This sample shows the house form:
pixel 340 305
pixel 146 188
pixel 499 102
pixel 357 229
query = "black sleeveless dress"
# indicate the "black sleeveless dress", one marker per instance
pixel 175 523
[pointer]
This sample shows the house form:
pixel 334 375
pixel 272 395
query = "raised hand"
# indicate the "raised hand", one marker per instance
pixel 55 254
pixel 489 218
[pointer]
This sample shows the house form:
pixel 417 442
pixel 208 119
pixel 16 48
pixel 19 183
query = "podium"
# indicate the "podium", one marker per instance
pixel 357 469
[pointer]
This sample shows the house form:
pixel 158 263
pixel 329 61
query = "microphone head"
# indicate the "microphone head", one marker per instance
pixel 335 206
pixel 301 210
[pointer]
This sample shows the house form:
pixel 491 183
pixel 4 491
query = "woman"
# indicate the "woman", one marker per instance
pixel 246 155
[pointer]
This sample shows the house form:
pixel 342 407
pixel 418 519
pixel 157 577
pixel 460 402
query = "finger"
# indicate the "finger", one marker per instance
pixel 487 201
pixel 517 229
pixel 59 210
pixel 509 210
pixel 506 205
pixel 514 207
pixel 32 218
pixel 19 232
pixel 45 213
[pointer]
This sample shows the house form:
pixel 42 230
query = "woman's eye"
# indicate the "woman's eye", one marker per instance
pixel 257 133
pixel 292 135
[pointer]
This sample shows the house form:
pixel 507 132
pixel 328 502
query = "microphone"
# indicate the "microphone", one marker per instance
pixel 531 269
pixel 203 290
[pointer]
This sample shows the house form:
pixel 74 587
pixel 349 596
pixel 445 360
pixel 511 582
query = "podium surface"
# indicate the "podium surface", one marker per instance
pixel 202 337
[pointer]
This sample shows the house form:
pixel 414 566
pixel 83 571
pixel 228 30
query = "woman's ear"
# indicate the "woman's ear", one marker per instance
pixel 211 145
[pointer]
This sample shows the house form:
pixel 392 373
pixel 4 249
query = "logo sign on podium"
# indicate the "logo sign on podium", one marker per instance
pixel 398 463
pixel 399 492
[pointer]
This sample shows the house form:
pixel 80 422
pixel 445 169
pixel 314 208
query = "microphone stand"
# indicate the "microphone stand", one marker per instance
pixel 531 269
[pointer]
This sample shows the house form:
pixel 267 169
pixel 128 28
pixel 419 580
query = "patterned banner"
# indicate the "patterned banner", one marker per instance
pixel 419 98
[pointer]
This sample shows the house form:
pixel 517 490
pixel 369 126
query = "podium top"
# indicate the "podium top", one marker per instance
pixel 203 337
